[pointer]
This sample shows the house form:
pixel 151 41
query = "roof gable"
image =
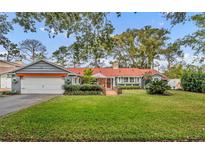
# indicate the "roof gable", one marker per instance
pixel 43 67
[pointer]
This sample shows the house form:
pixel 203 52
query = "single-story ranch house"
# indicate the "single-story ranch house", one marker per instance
pixel 43 77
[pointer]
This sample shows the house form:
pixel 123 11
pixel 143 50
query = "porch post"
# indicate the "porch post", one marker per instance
pixel 140 81
pixel 113 82
pixel 105 83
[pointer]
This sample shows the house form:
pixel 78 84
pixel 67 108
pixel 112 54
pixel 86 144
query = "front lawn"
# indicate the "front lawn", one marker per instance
pixel 132 116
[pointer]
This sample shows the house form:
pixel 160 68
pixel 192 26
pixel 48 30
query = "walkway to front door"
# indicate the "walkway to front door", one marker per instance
pixel 107 83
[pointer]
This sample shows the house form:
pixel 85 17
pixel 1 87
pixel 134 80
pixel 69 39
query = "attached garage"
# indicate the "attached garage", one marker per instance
pixel 41 77
pixel 42 85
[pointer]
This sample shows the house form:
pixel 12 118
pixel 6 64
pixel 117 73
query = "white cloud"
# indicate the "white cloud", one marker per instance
pixel 42 29
pixel 1 52
pixel 188 58
pixel 161 24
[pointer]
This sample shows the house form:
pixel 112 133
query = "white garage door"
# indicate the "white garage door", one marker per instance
pixel 40 85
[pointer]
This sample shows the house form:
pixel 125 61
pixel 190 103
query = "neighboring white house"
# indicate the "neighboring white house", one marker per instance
pixel 175 83
pixel 5 77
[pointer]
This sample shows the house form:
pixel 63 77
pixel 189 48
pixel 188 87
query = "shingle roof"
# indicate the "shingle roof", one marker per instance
pixel 4 70
pixel 110 72
pixel 12 63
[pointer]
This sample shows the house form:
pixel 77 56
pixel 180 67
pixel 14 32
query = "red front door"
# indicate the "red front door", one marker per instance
pixel 109 81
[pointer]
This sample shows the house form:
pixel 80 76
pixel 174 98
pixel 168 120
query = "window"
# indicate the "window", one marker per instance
pixel 137 79
pixel 9 75
pixel 126 79
pixel 156 79
pixel 76 80
pixel 132 79
pixel 119 80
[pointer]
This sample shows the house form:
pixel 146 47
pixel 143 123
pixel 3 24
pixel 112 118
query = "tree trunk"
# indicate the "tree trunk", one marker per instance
pixel 7 58
pixel 96 62
pixel 143 65
pixel 33 55
pixel 169 65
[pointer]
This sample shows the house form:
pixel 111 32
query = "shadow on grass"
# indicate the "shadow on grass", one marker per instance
pixel 168 93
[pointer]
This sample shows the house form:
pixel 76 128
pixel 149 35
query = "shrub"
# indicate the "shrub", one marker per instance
pixel 157 87
pixel 85 89
pixel 8 92
pixel 83 93
pixel 68 87
pixel 88 87
pixel 203 87
pixel 147 79
pixel 193 81
pixel 129 87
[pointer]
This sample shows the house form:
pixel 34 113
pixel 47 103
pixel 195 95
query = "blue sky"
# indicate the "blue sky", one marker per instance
pixel 127 20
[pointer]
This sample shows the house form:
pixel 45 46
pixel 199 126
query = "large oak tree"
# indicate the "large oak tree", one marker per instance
pixel 141 46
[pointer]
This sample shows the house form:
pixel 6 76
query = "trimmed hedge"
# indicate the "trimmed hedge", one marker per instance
pixel 85 89
pixel 68 87
pixel 129 87
pixel 157 87
pixel 88 87
pixel 83 93
pixel 193 81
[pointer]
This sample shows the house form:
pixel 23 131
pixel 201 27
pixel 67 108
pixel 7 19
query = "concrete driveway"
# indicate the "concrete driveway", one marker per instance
pixel 14 103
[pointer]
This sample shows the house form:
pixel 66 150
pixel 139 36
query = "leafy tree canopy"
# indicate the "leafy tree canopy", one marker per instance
pixel 70 56
pixel 175 72
pixel 60 56
pixel 172 53
pixel 195 40
pixel 55 22
pixel 140 46
pixel 176 17
pixel 11 49
pixel 95 41
pixel 91 30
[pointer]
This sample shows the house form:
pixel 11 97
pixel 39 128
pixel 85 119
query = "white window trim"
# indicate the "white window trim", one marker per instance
pixel 127 79
pixel 133 79
pixel 120 79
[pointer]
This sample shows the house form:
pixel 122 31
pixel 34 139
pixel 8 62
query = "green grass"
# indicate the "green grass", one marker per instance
pixel 132 116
